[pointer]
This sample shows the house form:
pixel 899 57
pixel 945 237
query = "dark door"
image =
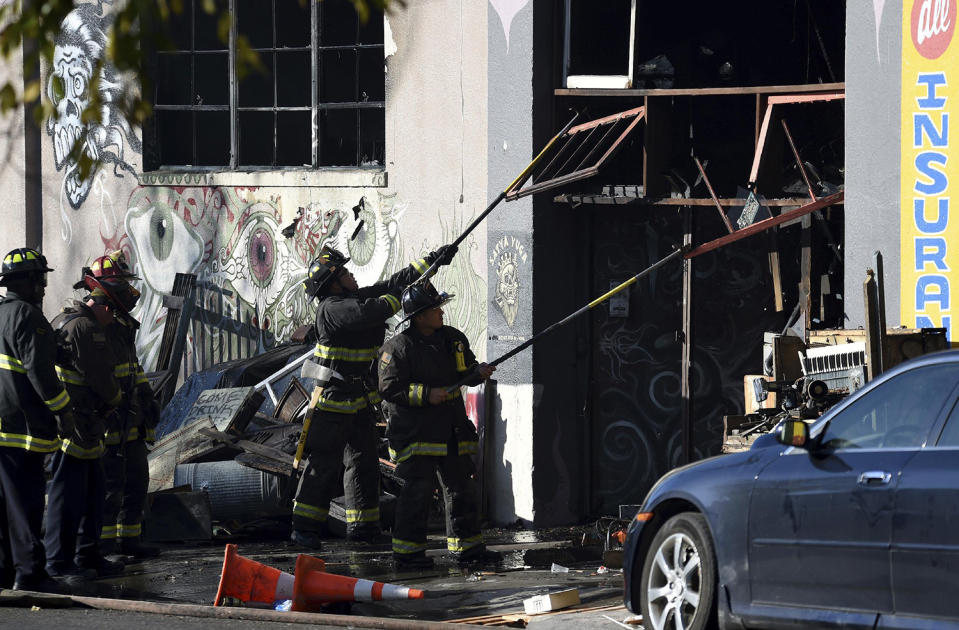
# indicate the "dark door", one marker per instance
pixel 820 521
pixel 636 398
pixel 925 531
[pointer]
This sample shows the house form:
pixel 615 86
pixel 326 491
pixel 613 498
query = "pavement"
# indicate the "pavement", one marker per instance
pixel 184 580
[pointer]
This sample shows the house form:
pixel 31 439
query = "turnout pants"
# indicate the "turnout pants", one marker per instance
pixel 127 480
pixel 22 488
pixel 336 438
pixel 413 505
pixel 74 511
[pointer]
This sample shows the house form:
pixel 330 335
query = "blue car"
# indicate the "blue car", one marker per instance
pixel 851 522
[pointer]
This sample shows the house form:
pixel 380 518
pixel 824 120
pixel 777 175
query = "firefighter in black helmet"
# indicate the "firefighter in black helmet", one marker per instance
pixel 429 431
pixel 350 327
pixel 131 427
pixel 35 412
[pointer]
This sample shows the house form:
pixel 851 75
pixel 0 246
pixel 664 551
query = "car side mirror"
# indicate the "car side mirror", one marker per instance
pixel 793 432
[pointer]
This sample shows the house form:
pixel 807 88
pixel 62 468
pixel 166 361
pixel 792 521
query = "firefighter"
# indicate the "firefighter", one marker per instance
pixel 429 431
pixel 34 411
pixel 86 365
pixel 350 327
pixel 130 428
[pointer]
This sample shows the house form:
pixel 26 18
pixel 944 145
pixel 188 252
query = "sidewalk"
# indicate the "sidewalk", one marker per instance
pixel 492 595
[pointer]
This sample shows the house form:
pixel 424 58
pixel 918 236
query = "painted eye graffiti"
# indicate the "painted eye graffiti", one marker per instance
pixel 161 234
pixel 261 252
pixel 79 85
pixel 163 244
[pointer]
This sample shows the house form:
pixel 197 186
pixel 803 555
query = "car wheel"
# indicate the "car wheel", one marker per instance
pixel 678 586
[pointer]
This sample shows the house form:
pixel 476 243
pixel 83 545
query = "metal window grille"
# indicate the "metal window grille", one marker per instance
pixel 319 100
pixel 578 153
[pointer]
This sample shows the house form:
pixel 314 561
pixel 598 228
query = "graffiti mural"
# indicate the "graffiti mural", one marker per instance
pixel 75 71
pixel 250 267
pixel 506 257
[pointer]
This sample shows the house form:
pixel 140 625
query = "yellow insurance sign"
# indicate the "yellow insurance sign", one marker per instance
pixel 930 231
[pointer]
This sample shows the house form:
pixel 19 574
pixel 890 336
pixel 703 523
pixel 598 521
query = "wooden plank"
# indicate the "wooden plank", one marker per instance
pixel 229 407
pixel 805 275
pixel 686 362
pixel 249 447
pixel 170 450
pixel 266 464
pixel 708 91
pixel 765 224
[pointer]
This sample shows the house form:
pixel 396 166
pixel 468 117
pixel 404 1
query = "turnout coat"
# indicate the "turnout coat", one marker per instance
pixel 30 392
pixel 410 365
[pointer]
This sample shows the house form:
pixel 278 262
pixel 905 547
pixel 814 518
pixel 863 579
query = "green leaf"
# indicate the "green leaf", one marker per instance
pixel 8 98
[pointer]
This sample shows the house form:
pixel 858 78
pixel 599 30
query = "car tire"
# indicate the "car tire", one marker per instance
pixel 679 576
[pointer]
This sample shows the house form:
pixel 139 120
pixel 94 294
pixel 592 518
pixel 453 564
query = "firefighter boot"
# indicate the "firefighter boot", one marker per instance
pixel 311 540
pixel 412 561
pixel 102 566
pixel 45 584
pixel 479 555
pixel 133 547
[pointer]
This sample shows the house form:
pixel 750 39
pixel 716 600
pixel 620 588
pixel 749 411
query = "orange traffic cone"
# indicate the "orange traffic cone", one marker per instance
pixel 313 586
pixel 249 581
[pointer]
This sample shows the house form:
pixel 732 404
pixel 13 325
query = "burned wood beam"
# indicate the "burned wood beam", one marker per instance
pixel 712 193
pixel 279 457
pixel 799 164
pixel 765 224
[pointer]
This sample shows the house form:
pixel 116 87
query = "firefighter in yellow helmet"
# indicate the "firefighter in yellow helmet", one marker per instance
pixel 86 364
pixel 131 427
pixel 35 411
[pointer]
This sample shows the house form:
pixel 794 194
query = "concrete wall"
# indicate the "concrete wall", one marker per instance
pixel 510 258
pixel 225 227
pixel 873 77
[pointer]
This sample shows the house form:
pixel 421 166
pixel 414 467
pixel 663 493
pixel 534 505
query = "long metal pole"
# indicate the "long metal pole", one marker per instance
pixel 431 271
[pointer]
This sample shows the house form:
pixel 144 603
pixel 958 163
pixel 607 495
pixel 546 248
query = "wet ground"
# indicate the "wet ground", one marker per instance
pixel 189 574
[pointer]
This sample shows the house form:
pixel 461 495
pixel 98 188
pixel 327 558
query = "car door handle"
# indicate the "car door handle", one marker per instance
pixel 874 477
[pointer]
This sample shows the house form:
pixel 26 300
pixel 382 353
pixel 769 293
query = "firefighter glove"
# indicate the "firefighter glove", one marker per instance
pixel 443 255
pixel 66 425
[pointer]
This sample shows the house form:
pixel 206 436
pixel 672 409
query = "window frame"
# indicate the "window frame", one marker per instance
pixel 609 81
pixel 316 108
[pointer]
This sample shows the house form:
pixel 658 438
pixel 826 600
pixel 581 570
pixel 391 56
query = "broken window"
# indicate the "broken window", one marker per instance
pixel 318 100
pixel 599 37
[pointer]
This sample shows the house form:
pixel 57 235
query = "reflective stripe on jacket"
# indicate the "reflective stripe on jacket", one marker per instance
pixel 410 365
pixel 350 330
pixel 30 392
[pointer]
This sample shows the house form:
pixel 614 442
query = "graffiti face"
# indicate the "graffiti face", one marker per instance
pixel 76 60
pixel 507 287
pixel 67 89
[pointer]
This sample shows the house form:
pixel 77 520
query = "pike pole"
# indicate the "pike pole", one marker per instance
pixel 431 271
pixel 656 265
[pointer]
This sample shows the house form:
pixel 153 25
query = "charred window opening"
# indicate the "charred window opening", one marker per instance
pixel 751 42
pixel 599 43
pixel 317 101
pixel 719 44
